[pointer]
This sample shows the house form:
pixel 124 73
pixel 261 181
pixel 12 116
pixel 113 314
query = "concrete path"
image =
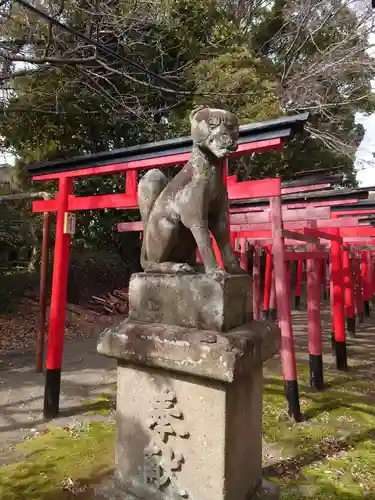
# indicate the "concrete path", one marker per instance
pixel 86 374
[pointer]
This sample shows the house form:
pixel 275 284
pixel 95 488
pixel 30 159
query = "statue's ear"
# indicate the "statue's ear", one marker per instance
pixel 196 110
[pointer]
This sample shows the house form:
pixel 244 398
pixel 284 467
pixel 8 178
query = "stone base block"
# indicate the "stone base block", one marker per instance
pixel 191 300
pixel 109 491
pixel 189 409
pixel 179 437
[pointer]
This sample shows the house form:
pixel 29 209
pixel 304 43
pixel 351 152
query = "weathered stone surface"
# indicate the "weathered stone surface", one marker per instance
pixel 199 301
pixel 110 491
pixel 204 353
pixel 182 437
pixel 179 215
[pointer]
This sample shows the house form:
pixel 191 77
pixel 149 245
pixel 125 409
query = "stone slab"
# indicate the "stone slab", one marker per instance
pixel 203 353
pixel 219 303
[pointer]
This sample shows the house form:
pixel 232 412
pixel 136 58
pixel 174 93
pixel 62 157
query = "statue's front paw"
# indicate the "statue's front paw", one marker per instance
pixel 183 268
pixel 216 272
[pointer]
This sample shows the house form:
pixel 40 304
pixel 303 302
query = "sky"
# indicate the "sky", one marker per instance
pixel 365 162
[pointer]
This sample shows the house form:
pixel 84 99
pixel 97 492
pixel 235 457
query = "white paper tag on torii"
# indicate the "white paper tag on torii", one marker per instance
pixel 69 223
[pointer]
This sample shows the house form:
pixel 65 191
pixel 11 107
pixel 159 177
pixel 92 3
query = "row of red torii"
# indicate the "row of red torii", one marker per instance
pixel 334 236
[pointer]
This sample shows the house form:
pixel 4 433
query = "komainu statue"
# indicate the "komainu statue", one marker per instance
pixel 179 215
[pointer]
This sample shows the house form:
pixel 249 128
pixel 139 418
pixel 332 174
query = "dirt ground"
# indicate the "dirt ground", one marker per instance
pixel 17 329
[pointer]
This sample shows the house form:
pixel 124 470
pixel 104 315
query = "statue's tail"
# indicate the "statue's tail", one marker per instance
pixel 149 188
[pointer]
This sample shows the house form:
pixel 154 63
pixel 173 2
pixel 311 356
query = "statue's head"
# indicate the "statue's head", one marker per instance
pixel 215 130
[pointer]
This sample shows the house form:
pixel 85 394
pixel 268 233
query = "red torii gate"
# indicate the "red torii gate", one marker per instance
pixel 257 225
pixel 270 225
pixel 253 138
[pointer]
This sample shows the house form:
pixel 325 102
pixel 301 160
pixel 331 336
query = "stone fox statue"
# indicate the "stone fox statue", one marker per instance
pixel 179 215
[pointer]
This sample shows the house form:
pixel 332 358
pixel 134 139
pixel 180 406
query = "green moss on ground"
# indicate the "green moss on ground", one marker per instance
pixel 61 464
pixel 101 405
pixel 332 454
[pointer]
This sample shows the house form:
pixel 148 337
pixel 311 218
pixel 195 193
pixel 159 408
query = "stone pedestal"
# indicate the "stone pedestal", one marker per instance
pixel 191 300
pixel 189 403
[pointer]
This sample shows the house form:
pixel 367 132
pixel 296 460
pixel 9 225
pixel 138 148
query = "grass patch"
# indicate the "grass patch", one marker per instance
pixel 60 465
pixel 332 454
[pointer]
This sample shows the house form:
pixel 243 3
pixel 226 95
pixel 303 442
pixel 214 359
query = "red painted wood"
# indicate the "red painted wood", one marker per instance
pixel 304 189
pixel 243 254
pixel 313 301
pixel 59 281
pixel 348 283
pixel 297 291
pixel 163 161
pixel 273 305
pixel 257 147
pixel 238 210
pixel 373 275
pixel 287 215
pixel 289 190
pixel 254 189
pixel 351 222
pixel 256 281
pixel 338 289
pixel 359 306
pixel 366 274
pixel 360 231
pixel 324 277
pixel 231 179
pixel 242 230
pixel 353 211
pixel 330 234
pixel 267 280
pixel 287 353
pixel 318 254
pixel 123 227
pixel 359 240
pixel 131 183
pixel 356 287
pixel 255 235
pixel 369 273
pixel 331 299
pixel 327 203
pixel 299 236
pixel 98 202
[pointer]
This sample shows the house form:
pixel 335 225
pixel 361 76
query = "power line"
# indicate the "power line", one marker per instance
pixel 98 45
pixel 178 90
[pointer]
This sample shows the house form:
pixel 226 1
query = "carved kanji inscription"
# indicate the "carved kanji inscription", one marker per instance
pixel 161 462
